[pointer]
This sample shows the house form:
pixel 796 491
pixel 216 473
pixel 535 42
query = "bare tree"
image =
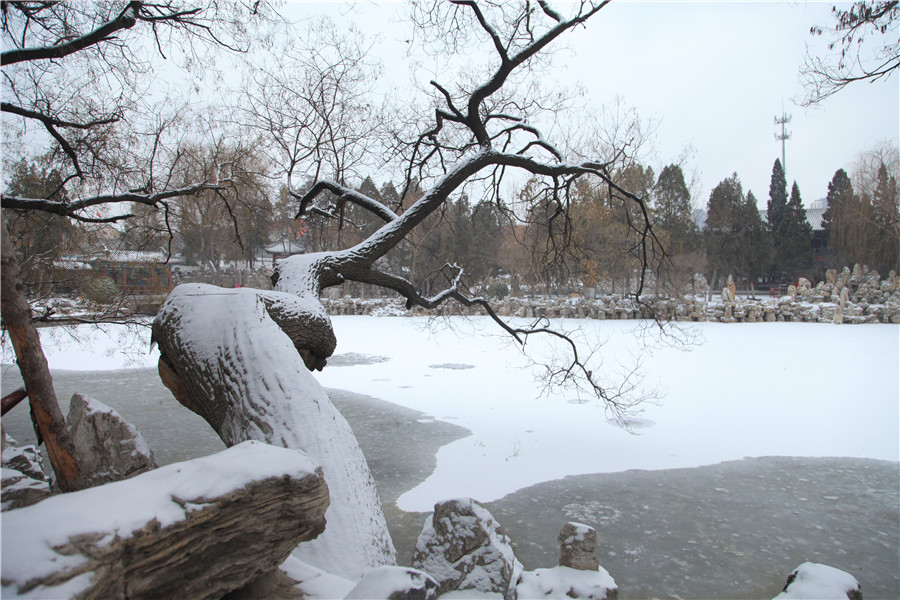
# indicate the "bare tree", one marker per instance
pixel 472 137
pixel 78 73
pixel 861 58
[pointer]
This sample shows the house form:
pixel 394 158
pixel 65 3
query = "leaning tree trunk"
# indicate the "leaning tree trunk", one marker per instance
pixel 241 359
pixel 32 363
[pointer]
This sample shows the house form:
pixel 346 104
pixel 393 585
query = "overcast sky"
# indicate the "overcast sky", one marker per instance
pixel 713 75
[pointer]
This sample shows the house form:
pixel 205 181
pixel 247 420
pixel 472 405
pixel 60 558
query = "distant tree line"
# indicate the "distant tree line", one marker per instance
pixel 514 247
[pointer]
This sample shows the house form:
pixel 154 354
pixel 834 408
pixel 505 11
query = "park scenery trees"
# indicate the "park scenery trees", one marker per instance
pixel 453 198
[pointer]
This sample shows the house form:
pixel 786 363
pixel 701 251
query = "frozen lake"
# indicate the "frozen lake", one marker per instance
pixel 679 510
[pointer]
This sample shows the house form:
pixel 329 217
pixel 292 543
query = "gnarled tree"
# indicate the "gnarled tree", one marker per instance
pixel 225 353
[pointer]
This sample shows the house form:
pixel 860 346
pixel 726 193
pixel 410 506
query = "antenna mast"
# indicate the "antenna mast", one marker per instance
pixel 785 135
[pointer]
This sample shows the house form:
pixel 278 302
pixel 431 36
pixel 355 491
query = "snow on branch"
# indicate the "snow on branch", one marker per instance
pixel 72 209
pixel 344 195
pixel 125 20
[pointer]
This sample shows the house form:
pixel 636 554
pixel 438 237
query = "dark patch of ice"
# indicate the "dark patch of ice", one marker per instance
pixel 731 530
pixel 453 366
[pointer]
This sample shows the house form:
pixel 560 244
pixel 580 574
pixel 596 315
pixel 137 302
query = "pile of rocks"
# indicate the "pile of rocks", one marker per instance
pixel 857 296
pixel 463 549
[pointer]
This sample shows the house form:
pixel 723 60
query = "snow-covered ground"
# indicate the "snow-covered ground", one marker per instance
pixel 742 390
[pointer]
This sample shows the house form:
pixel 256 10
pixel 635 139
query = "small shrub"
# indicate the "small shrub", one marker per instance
pixel 498 289
pixel 102 290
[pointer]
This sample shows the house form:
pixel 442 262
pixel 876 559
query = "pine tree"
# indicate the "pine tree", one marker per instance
pixel 776 207
pixel 886 217
pixel 840 203
pixel 721 233
pixel 794 239
pixel 777 197
pixel 673 211
pixel 755 249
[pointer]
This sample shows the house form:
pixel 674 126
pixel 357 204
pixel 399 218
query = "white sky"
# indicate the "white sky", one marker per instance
pixel 713 74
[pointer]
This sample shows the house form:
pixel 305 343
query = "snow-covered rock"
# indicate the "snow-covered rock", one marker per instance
pixel 107 447
pixel 196 529
pixel 464 548
pixel 578 547
pixel 23 479
pixel 394 583
pixel 19 490
pixel 564 583
pixel 814 581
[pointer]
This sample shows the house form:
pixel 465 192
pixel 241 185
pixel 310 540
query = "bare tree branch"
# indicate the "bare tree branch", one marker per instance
pixel 126 20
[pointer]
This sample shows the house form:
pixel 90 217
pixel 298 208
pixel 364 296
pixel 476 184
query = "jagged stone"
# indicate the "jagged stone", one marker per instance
pixel 196 529
pixel 23 480
pixel 464 548
pixel 107 447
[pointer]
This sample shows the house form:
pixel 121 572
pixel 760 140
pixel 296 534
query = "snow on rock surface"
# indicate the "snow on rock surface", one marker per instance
pixel 578 547
pixel 196 529
pixel 263 390
pixel 23 479
pixel 464 548
pixel 394 583
pixel 814 581
pixel 107 447
pixel 563 583
pixel 314 583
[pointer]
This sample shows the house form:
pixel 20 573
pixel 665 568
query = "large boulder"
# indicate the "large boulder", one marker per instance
pixel 821 582
pixel 107 447
pixel 196 529
pixel 464 548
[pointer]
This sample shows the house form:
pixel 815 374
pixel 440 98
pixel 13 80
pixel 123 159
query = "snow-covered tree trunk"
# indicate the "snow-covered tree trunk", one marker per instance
pixel 241 359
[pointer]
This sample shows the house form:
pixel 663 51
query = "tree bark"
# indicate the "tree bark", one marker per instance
pixel 32 363
pixel 197 529
pixel 233 356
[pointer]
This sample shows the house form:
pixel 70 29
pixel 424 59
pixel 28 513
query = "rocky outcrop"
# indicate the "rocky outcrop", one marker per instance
pixel 107 447
pixel 464 548
pixel 394 583
pixel 23 480
pixel 813 580
pixel 196 529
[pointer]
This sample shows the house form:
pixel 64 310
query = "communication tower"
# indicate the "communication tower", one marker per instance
pixel 784 136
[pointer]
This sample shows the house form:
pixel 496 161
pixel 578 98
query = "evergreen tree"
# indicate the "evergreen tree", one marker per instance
pixel 775 210
pixel 777 197
pixel 840 204
pixel 886 217
pixel 793 240
pixel 673 211
pixel 755 244
pixel 720 235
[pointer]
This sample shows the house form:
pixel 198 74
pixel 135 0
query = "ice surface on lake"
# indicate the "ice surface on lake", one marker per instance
pixel 763 389
pixel 788 389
